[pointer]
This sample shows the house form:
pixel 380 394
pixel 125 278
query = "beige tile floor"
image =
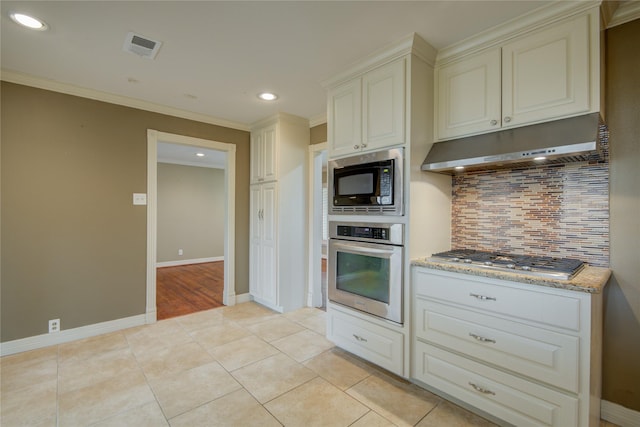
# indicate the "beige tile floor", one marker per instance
pixel 231 366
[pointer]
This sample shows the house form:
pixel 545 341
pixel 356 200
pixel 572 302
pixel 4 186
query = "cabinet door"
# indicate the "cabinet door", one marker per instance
pixel 546 74
pixel 269 154
pixel 383 106
pixel 269 248
pixel 468 96
pixel 255 241
pixel 345 118
pixel 257 155
pixel 263 155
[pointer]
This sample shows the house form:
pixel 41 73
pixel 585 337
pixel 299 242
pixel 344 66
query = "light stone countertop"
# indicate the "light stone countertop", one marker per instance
pixel 590 279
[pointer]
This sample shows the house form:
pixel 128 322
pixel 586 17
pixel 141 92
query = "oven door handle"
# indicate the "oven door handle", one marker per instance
pixel 354 248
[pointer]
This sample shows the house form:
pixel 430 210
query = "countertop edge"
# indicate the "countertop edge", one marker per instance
pixel 591 279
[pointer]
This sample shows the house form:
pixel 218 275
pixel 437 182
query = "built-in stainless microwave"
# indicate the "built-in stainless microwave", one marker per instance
pixel 369 184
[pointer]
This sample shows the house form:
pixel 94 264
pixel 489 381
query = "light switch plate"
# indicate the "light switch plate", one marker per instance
pixel 139 199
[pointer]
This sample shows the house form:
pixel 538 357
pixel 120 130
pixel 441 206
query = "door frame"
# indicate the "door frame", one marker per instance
pixel 314 279
pixel 153 137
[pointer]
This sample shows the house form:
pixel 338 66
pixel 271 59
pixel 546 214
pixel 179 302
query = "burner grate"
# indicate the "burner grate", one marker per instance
pixel 563 268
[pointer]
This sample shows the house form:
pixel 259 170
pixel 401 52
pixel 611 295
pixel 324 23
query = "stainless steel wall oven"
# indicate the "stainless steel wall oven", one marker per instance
pixel 366 267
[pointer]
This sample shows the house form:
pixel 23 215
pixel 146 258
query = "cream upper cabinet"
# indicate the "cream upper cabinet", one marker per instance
pixel 546 75
pixel 542 75
pixel 383 100
pixel 345 111
pixel 468 95
pixel 263 155
pixel 368 112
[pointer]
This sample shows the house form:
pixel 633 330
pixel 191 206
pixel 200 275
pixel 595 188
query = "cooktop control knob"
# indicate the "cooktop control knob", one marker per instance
pixel 488 263
pixel 468 261
pixel 511 266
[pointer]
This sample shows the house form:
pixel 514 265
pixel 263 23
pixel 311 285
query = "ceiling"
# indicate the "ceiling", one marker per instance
pixel 216 56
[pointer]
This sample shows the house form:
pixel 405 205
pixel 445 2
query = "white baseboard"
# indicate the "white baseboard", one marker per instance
pixel 618 414
pixel 46 340
pixel 189 261
pixel 243 298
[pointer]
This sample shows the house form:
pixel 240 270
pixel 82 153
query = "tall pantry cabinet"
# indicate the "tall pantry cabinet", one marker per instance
pixel 277 249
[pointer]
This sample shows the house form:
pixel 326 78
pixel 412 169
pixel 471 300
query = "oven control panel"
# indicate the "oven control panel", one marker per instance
pixel 377 233
pixel 368 232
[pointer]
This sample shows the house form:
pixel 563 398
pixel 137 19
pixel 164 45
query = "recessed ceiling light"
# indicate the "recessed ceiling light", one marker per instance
pixel 267 96
pixel 200 154
pixel 28 21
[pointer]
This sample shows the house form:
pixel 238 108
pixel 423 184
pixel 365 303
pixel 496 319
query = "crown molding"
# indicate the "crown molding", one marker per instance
pixel 530 21
pixel 409 44
pixel 320 119
pixel 627 11
pixel 69 89
pixel 280 117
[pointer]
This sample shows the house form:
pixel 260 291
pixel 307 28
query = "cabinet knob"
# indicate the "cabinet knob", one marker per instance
pixel 364 145
pixel 493 122
pixel 507 119
pixel 355 147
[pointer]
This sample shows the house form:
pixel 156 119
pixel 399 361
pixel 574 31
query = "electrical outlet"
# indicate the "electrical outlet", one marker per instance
pixel 180 252
pixel 54 326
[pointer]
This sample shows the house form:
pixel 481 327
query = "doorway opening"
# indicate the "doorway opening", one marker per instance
pixel 160 145
pixel 318 228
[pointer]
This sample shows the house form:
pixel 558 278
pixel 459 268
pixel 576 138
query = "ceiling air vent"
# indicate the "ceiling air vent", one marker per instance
pixel 141 46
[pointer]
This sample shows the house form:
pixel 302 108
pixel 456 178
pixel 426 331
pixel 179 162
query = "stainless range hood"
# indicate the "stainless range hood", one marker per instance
pixel 561 141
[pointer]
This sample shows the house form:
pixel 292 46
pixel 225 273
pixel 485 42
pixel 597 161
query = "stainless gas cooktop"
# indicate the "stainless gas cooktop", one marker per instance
pixel 555 268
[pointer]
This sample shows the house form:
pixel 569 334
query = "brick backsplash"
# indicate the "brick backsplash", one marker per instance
pixel 555 210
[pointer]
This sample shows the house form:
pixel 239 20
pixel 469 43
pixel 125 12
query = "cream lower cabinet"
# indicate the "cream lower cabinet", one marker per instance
pixel 525 354
pixel 277 220
pixel 549 73
pixel 263 244
pixel 376 341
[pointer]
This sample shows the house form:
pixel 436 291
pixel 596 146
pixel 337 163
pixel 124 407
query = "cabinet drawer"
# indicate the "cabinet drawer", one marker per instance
pixel 507 397
pixel 377 344
pixel 538 353
pixel 511 299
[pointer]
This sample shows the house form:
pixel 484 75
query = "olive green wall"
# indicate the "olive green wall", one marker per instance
pixel 192 204
pixel 318 134
pixel 73 245
pixel 621 353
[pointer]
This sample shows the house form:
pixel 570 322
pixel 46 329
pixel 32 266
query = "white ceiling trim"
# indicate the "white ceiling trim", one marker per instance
pixel 627 11
pixel 69 89
pixel 320 119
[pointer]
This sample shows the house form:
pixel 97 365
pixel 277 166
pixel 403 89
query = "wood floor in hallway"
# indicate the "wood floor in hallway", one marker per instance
pixel 186 289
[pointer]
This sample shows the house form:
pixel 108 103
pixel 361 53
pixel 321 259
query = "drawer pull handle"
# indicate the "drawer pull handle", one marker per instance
pixel 482 297
pixel 481 390
pixel 481 339
pixel 359 338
